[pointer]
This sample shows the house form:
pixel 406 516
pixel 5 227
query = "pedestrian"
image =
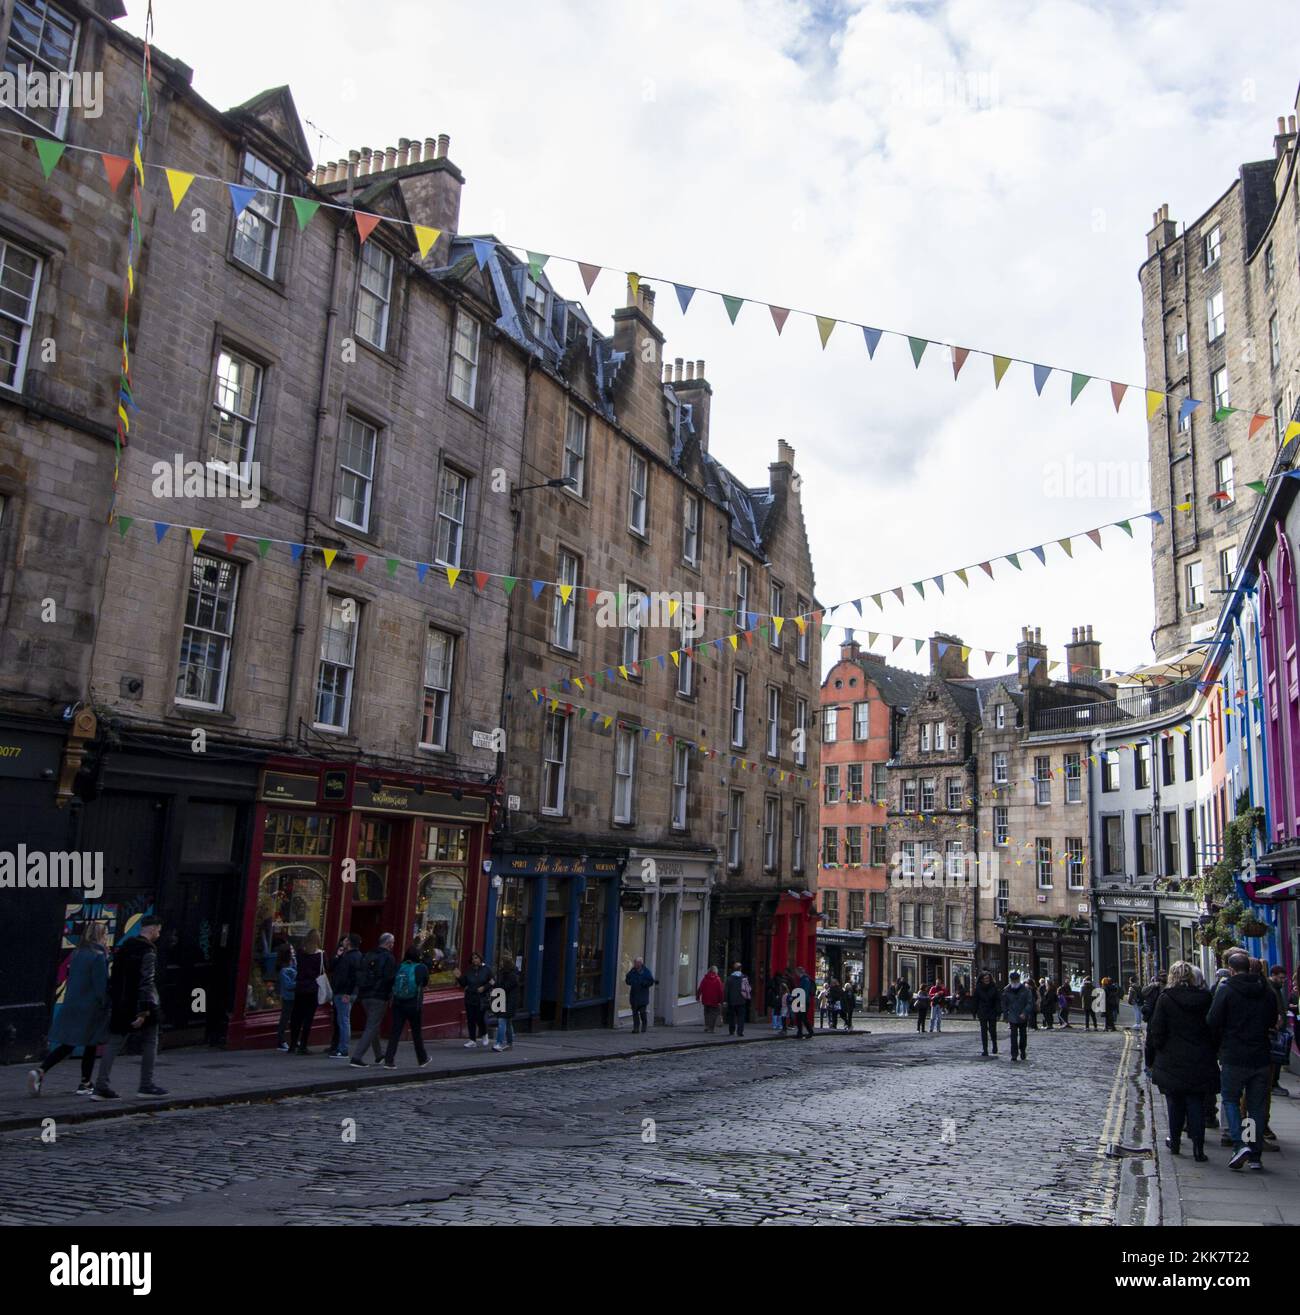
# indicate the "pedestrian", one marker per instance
pixel 374 990
pixel 834 1002
pixel 1063 1000
pixel 902 996
pixel 1180 1056
pixel 1241 1014
pixel 737 994
pixel 1047 1001
pixel 1133 998
pixel 1110 1002
pixel 133 1008
pixel 1269 1142
pixel 1086 998
pixel 938 996
pixel 823 1004
pixel 639 980
pixel 474 981
pixel 1032 987
pixel 777 991
pixel 1152 994
pixel 710 993
pixel 849 1003
pixel 921 1002
pixel 408 1006
pixel 286 978
pixel 988 1003
pixel 1017 1009
pixel 306 992
pixel 1277 979
pixel 344 973
pixel 802 1003
pixel 81 1019
pixel 507 983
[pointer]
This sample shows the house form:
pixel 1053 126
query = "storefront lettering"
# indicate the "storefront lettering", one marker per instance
pixel 10 751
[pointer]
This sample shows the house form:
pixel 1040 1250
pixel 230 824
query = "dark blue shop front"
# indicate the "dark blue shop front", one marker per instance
pixel 555 916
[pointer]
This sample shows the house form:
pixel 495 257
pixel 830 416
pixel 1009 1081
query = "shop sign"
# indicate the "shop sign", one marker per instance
pixel 553 865
pixel 402 799
pixel 1136 905
pixel 288 788
pixel 334 787
pixel 29 757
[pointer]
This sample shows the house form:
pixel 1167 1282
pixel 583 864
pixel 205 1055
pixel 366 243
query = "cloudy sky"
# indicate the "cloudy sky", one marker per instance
pixel 982 174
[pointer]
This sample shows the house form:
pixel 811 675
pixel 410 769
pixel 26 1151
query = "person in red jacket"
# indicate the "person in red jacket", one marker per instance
pixel 938 994
pixel 710 994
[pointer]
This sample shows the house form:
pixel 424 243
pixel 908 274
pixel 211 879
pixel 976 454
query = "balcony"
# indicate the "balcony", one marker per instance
pixel 1137 705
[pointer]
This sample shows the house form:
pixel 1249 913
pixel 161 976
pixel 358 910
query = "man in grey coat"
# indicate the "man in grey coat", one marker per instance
pixel 1017 1009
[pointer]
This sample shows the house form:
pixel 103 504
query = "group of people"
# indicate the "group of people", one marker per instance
pixel 792 997
pixel 1229 1040
pixel 106 1001
pixel 1046 999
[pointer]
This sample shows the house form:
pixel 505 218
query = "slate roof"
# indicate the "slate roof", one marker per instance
pixel 897 687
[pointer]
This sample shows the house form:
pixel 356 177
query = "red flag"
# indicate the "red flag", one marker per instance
pixel 779 317
pixel 987 568
pixel 589 273
pixel 359 561
pixel 230 541
pixel 115 166
pixel 1255 422
pixel 959 355
pixel 591 597
pixel 480 580
pixel 365 223
pixel 1117 392
pixel 1095 536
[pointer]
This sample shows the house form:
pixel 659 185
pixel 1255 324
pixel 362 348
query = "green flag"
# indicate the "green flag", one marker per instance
pixel 733 305
pixel 304 210
pixel 51 152
pixel 918 346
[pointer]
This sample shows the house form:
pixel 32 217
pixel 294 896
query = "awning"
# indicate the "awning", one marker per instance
pixel 1271 892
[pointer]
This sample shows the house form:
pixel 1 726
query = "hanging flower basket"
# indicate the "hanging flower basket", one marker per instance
pixel 1252 927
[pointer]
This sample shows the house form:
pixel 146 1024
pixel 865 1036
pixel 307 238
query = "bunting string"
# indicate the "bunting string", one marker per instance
pixel 179 182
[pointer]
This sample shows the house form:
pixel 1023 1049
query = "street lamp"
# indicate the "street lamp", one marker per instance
pixel 561 482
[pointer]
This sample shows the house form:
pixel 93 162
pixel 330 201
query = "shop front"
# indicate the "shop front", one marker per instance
pixel 924 961
pixel 765 932
pixel 555 916
pixel 664 919
pixel 1143 934
pixel 342 848
pixel 841 955
pixel 1040 949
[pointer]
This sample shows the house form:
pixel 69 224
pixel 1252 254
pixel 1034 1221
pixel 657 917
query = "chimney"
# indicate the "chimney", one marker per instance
pixel 431 187
pixel 850 651
pixel 694 391
pixel 1083 657
pixel 780 471
pixel 1163 230
pixel 946 660
pixel 677 369
pixel 1031 650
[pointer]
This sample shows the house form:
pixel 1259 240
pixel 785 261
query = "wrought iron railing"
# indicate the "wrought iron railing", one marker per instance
pixel 1131 706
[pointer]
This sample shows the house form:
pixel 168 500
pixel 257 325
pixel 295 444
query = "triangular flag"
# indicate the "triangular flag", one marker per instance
pixel 1041 373
pixel 961 575
pixel 115 167
pixel 873 340
pixel 124 523
pixel 919 587
pixel 1256 422
pixel 1041 553
pixel 1153 402
pixel 1068 546
pixel 918 346
pixel 565 591
pixel 1000 366
pixel 1259 485
pixel 825 327
pixel 634 282
pixel 50 152
pixel 482 250
pixel 304 210
pixel 1126 526
pixel 987 568
pixel 263 547
pixel 421 570
pixel 329 554
pixel 453 574
pixel 240 197
pixel 1078 382
pixel 179 183
pixel 391 563
pixel 1095 536
pixel 959 355
pixel 589 273
pixel 1014 559
pixel 875 598
pixel 159 529
pixel 1291 431
pixel 1189 405
pixel 359 561
pixel 296 551
pixel 481 579
pixel 425 237
pixel 230 540
pixel 1117 392
pixel 684 295
pixel 779 317
pixel 196 537
pixel 538 586
pixel 536 263
pixel 365 223
pixel 733 305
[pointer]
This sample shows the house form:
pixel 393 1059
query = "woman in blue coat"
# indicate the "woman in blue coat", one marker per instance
pixel 82 1018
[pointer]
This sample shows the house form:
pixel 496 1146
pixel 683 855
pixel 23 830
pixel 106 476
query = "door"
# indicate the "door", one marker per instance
pixel 554 942
pixel 194 963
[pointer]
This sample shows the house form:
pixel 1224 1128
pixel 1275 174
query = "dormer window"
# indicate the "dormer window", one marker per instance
pixel 535 298
pixel 257 233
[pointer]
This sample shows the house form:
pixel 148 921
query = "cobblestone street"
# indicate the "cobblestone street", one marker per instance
pixel 890 1127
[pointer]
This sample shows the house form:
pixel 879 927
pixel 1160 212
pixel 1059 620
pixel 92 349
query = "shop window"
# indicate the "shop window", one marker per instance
pixel 514 912
pixel 291 897
pixel 591 942
pixel 688 955
pixel 439 903
pixel 632 943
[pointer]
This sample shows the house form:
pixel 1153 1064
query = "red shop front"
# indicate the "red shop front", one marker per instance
pixel 341 848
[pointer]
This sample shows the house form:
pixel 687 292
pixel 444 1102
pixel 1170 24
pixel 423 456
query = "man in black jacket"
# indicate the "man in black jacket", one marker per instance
pixel 375 989
pixel 988 1005
pixel 1243 1011
pixel 134 1004
pixel 344 977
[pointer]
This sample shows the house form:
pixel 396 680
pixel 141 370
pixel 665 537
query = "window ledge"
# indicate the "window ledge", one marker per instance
pixel 265 280
pixel 186 712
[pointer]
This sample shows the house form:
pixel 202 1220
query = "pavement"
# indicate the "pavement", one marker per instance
pixel 884 1125
pixel 1192 1193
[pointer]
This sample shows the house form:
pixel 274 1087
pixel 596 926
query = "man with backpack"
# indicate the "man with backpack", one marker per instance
pixel 408 1006
pixel 375 989
pixel 738 993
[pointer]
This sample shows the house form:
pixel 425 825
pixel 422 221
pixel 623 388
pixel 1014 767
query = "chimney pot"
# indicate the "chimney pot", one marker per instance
pixel 699 369
pixel 354 164
pixel 444 145
pixel 403 151
pixel 390 157
pixel 677 368
pixel 1281 124
pixel 430 147
pixel 690 370
pixel 1290 123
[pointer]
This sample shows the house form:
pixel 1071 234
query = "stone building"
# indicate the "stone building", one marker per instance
pixel 659 719
pixel 863 703
pixel 291 690
pixel 1221 323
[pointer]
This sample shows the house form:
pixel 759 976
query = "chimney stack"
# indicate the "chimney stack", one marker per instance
pixel 1031 658
pixel 850 651
pixel 1083 657
pixel 946 660
pixel 694 392
pixel 1163 230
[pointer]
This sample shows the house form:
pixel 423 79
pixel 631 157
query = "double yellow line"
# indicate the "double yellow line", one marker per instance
pixel 1111 1129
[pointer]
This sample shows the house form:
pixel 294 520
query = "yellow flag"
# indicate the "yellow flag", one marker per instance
pixel 622 671
pixel 179 183
pixel 426 237
pixel 634 282
pixel 130 276
pixel 676 657
pixel 1153 402
pixel 139 163
pixel 825 327
pixel 672 608
pixel 565 591
pixel 126 422
pixel 658 736
pixel 196 537
pixel 453 574
pixel 732 638
pixel 329 554
pixel 778 622
pixel 555 703
pixel 577 681
pixel 801 623
pixel 1291 431
pixel 608 722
